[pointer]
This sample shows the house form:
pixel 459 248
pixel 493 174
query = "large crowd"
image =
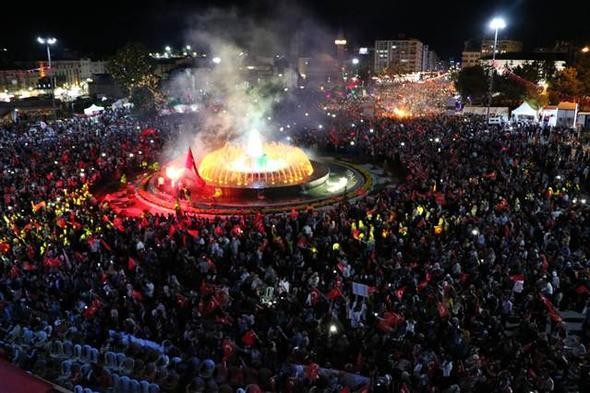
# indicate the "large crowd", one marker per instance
pixel 453 280
pixel 423 98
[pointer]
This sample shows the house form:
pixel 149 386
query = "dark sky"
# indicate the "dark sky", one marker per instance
pixel 100 28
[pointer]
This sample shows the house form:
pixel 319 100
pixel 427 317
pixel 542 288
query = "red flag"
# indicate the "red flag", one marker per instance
pixel 314 296
pixel 4 247
pixel 148 132
pixel 105 245
pixel 553 314
pixel 118 224
pixel 14 272
pixel 399 293
pixel 517 277
pixel 582 289
pixel 189 163
pixel 137 295
pixel 249 338
pixel 228 349
pixel 312 371
pixel 28 266
pixel 389 321
pixel 131 264
pixel 38 206
pixel 51 262
pixel 443 311
pixel 422 284
pixel 61 222
pixel 334 293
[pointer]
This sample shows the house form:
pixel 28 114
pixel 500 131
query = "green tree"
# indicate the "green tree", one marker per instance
pixel 131 65
pixel 566 85
pixel 531 72
pixel 144 102
pixel 473 82
pixel 509 91
pixel 582 66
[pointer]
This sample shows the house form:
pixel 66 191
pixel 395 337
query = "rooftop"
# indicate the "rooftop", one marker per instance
pixel 532 56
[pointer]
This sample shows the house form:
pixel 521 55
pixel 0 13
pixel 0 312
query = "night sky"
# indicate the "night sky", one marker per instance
pixel 100 29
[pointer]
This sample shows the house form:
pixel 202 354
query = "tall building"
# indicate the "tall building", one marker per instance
pixel 503 46
pixel 341 47
pixel 425 58
pixel 470 58
pixel 475 51
pixel 70 72
pixel 433 62
pixel 403 56
pixel 12 79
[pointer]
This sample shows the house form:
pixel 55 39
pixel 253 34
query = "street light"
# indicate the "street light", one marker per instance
pixel 585 49
pixel 48 42
pixel 216 60
pixel 495 24
pixel 355 61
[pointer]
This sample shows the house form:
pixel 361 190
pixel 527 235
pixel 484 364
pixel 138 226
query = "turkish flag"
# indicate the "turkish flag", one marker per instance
pixel 517 277
pixel 582 289
pixel 131 264
pixel 249 338
pixel 189 163
pixel 148 132
pixel 312 372
pixel 4 247
pixel 118 224
pixel 553 314
pixel 399 293
pixel 334 293
pixel 137 295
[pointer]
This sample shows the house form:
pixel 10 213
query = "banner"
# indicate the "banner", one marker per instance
pixel 360 289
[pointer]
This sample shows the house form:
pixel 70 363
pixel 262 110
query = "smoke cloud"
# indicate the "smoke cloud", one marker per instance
pixel 250 68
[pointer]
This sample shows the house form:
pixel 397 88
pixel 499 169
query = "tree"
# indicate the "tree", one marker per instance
pixel 566 85
pixel 510 91
pixel 582 66
pixel 144 102
pixel 131 65
pixel 531 72
pixel 472 82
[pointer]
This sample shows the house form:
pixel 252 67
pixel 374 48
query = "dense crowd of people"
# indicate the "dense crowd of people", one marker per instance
pixel 451 281
pixel 422 98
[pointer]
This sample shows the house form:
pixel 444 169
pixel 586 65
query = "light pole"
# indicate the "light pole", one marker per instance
pixel 48 42
pixel 495 24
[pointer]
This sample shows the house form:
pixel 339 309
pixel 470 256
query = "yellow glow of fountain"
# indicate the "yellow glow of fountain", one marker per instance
pixel 258 164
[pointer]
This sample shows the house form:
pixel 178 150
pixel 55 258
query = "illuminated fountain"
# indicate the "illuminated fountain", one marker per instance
pixel 257 165
pixel 248 174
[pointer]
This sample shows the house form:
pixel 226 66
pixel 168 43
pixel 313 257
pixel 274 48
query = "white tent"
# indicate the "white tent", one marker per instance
pixel 525 112
pixel 93 110
pixel 121 103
